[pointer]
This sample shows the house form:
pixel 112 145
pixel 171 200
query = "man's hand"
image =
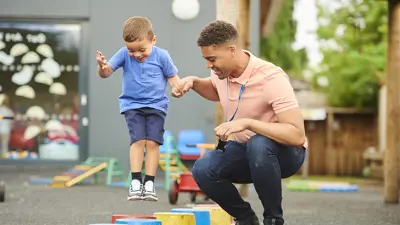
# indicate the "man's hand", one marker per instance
pixel 182 87
pixel 224 130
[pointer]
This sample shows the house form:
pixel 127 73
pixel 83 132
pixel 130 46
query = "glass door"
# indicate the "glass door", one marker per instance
pixel 39 91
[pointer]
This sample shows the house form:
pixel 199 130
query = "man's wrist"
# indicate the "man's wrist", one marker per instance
pixel 248 123
pixel 194 80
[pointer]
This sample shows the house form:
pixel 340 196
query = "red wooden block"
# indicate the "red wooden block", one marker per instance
pixel 121 216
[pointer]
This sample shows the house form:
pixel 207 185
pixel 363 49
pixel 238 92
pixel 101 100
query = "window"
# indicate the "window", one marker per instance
pixel 39 75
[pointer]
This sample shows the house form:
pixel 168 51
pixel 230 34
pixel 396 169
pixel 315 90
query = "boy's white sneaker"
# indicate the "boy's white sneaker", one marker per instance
pixel 135 191
pixel 149 192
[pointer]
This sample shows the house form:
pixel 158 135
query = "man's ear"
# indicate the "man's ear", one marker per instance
pixel 232 50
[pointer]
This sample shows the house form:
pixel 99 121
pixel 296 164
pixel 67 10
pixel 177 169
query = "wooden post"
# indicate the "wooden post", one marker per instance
pixel 230 11
pixel 391 183
pixel 244 23
pixel 227 10
pixel 330 151
pixel 244 35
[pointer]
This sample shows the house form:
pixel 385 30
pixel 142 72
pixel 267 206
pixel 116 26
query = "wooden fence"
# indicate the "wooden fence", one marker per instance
pixel 336 145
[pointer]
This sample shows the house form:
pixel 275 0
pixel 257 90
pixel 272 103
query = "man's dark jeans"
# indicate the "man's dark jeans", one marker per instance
pixel 261 161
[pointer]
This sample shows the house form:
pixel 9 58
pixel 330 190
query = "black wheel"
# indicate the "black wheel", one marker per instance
pixel 193 197
pixel 2 191
pixel 173 192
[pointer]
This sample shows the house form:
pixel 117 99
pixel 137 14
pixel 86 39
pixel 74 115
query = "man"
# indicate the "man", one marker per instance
pixel 267 126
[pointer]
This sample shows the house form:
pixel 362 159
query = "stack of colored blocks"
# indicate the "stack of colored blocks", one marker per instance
pixel 198 215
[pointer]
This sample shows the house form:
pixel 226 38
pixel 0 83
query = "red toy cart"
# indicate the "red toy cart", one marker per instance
pixel 186 182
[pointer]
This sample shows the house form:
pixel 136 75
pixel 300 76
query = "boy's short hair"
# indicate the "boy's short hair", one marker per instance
pixel 137 28
pixel 217 33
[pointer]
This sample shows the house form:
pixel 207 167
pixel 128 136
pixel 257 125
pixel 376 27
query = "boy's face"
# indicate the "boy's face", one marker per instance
pixel 221 59
pixel 140 49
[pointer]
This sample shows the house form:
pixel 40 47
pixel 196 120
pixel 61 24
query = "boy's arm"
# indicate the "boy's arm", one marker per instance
pixel 168 67
pixel 116 61
pixel 105 71
pixel 173 80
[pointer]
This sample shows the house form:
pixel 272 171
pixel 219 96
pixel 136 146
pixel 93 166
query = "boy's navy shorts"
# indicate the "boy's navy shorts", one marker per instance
pixel 145 124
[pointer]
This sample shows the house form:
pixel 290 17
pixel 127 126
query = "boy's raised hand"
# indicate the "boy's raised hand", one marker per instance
pixel 100 59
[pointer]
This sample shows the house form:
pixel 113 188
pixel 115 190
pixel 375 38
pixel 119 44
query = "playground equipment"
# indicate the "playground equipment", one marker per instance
pixel 2 191
pixel 186 182
pixel 72 178
pixel 208 214
pixel 79 174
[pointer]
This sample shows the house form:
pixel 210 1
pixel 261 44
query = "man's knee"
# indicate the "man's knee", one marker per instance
pixel 259 145
pixel 200 169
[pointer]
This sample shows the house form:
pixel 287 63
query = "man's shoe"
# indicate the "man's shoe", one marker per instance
pixel 249 221
pixel 274 221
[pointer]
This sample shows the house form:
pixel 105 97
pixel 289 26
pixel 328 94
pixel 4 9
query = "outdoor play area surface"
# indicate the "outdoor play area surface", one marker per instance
pixel 42 205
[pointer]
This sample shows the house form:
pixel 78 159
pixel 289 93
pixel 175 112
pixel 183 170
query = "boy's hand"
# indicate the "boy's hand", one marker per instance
pixel 101 61
pixel 176 91
pixel 183 86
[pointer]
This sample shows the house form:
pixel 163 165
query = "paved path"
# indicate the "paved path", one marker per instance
pixel 41 205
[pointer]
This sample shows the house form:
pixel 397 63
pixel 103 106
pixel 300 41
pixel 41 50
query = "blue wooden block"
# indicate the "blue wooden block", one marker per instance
pixel 202 216
pixel 135 221
pixel 347 188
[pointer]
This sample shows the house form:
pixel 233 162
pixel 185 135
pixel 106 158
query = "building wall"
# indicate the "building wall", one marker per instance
pixel 102 21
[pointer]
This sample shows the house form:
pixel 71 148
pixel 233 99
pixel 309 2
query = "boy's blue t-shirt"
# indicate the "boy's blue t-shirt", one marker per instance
pixel 144 83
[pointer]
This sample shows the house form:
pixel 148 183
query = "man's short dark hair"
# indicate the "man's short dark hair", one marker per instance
pixel 217 33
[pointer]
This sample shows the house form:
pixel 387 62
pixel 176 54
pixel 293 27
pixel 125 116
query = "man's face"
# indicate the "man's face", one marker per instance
pixel 140 49
pixel 221 59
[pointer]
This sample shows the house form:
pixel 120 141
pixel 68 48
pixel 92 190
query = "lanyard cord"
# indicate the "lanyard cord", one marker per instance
pixel 227 99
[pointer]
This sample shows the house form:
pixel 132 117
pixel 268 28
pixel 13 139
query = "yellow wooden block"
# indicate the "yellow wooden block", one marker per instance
pixel 173 218
pixel 174 168
pixel 58 184
pixel 62 178
pixel 218 216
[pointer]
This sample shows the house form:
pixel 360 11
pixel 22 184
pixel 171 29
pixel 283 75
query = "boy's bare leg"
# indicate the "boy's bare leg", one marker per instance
pixel 151 165
pixel 136 153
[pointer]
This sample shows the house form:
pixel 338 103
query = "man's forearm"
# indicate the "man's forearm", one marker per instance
pixel 205 88
pixel 283 133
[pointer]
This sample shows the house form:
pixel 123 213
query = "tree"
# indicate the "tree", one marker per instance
pixel 354 42
pixel 277 47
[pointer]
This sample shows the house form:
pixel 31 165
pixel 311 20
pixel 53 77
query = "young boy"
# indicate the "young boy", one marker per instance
pixel 143 102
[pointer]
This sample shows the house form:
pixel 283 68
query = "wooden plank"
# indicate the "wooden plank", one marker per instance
pixel 330 156
pixel 87 174
pixel 391 183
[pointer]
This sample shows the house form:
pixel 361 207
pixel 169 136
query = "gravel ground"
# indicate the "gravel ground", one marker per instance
pixel 40 205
